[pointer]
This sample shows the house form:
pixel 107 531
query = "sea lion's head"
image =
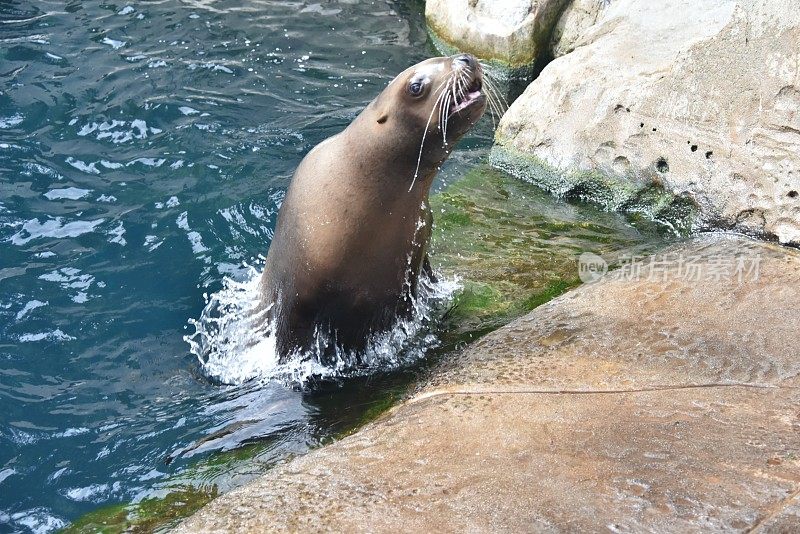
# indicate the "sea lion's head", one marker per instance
pixel 429 107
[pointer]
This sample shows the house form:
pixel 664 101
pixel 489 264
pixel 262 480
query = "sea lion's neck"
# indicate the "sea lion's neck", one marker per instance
pixel 392 158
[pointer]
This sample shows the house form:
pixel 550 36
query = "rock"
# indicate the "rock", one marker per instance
pixel 660 399
pixel 577 18
pixel 513 32
pixel 699 98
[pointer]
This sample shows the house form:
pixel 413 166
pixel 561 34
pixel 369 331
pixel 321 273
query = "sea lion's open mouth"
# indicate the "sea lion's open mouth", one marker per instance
pixel 465 99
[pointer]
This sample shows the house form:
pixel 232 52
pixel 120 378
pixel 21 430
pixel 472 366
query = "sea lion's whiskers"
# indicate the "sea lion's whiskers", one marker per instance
pixel 492 92
pixel 491 82
pixel 424 134
pixel 444 114
pixel 462 81
pixel 453 87
pixel 498 99
pixel 493 107
pixel 443 110
pixel 493 98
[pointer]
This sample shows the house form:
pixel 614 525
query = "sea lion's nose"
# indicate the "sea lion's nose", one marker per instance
pixel 465 60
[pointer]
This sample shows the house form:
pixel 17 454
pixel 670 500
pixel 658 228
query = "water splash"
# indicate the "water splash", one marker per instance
pixel 235 345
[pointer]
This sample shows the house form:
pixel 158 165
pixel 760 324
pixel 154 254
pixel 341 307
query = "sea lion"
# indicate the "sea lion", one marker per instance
pixel 353 230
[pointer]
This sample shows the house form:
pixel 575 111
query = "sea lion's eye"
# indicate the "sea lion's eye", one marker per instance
pixel 415 89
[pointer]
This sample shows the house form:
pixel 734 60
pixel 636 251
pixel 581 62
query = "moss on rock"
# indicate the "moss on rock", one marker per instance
pixel 149 515
pixel 611 193
pixel 514 248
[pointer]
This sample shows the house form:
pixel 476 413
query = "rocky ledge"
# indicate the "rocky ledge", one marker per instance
pixel 699 100
pixel 665 396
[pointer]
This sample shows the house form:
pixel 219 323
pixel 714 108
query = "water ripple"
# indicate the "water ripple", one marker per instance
pixel 145 148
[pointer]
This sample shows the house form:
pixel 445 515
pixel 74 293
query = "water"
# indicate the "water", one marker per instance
pixel 144 151
pixel 235 345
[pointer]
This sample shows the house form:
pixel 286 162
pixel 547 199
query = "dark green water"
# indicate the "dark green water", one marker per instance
pixel 144 151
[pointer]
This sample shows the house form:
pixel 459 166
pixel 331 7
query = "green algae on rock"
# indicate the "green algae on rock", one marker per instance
pixel 514 247
pixel 645 196
pixel 149 515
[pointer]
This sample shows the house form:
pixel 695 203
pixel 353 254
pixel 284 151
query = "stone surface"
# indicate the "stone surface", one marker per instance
pixel 514 32
pixel 574 22
pixel 700 97
pixel 660 399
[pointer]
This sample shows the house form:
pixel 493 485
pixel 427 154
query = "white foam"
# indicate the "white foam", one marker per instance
pixel 194 237
pixel 236 219
pixel 68 193
pixel 150 162
pixel 29 307
pixel 68 433
pixel 94 493
pixel 113 43
pixel 210 66
pixel 55 335
pixel 117 235
pixel 117 131
pixel 150 475
pixel 5 473
pixel 53 476
pixel 31 168
pixel 152 242
pixel 69 279
pixel 55 228
pixel 234 343
pixel 90 168
pixel 38 520
pixel 10 122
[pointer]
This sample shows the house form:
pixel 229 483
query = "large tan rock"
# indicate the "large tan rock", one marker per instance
pixel 577 18
pixel 662 399
pixel 700 97
pixel 515 32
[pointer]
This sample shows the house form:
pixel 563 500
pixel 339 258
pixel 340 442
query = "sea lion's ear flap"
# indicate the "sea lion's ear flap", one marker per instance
pixel 379 110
